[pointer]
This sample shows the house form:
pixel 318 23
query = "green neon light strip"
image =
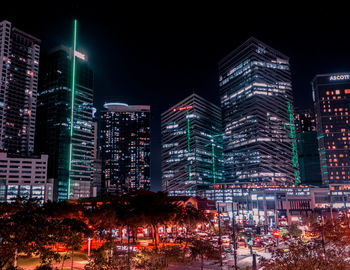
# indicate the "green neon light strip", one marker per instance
pixel 213 158
pixel 188 144
pixel 294 143
pixel 72 106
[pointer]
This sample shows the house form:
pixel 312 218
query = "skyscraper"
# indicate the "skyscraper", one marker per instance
pixel 125 148
pixel 97 172
pixel 309 159
pixel 257 112
pixel 66 95
pixel 191 145
pixel 19 53
pixel 331 95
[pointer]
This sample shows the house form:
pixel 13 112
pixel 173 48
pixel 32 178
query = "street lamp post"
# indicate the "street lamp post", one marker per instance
pixel 234 239
pixel 219 234
pixel 89 246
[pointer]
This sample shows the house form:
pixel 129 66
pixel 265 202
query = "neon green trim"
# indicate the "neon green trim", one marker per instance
pixel 294 143
pixel 72 106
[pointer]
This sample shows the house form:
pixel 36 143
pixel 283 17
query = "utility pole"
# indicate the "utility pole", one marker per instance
pixel 220 234
pixel 254 262
pixel 234 239
pixel 323 244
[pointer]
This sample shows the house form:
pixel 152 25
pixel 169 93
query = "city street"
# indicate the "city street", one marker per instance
pixel 244 259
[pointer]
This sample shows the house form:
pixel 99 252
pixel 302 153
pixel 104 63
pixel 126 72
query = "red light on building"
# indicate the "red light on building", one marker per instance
pixel 183 108
pixel 276 234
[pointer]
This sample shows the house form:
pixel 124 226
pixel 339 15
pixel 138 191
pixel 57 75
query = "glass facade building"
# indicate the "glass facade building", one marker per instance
pixel 309 159
pixel 191 145
pixel 19 54
pixel 331 95
pixel 125 140
pixel 70 150
pixel 257 111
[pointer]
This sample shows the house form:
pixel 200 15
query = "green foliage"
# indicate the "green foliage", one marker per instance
pixel 158 258
pixel 101 259
pixel 326 250
pixel 294 231
pixel 204 249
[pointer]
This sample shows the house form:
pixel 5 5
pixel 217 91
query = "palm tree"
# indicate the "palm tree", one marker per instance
pixel 204 249
pixel 153 209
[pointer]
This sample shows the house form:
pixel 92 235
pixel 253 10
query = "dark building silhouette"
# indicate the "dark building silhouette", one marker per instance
pixel 309 158
pixel 70 150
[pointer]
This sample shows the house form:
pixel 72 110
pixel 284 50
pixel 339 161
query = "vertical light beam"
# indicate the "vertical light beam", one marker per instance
pixel 72 106
pixel 188 145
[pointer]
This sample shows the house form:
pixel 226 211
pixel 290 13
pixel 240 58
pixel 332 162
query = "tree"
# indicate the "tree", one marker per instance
pixel 294 231
pixel 100 259
pixel 306 255
pixel 328 249
pixel 204 249
pixel 158 258
pixel 25 228
pixel 72 234
pixel 189 217
pixel 153 209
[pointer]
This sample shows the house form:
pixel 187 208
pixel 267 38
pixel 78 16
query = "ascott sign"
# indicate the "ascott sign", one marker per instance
pixel 339 77
pixel 183 108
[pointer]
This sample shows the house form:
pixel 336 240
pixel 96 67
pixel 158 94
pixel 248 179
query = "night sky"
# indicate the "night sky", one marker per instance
pixel 159 54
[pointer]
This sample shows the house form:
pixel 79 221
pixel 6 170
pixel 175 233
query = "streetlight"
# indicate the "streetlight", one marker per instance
pixel 89 242
pixel 219 234
pixel 89 246
pixel 234 239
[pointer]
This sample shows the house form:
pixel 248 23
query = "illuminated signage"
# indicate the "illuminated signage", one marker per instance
pixel 80 55
pixel 182 108
pixel 339 77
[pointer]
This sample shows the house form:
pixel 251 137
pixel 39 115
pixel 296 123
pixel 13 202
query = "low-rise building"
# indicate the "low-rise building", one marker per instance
pixel 24 177
pixel 273 205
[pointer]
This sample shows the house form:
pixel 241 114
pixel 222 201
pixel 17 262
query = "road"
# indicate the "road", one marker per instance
pixel 244 259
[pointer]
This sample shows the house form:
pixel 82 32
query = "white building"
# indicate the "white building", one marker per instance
pixel 25 177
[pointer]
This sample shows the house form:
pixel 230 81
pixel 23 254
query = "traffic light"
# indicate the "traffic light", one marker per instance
pixel 276 233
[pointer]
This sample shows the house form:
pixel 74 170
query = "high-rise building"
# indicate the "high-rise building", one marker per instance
pixel 191 145
pixel 331 95
pixel 309 158
pixel 19 54
pixel 97 171
pixel 257 112
pixel 66 95
pixel 304 120
pixel 125 148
